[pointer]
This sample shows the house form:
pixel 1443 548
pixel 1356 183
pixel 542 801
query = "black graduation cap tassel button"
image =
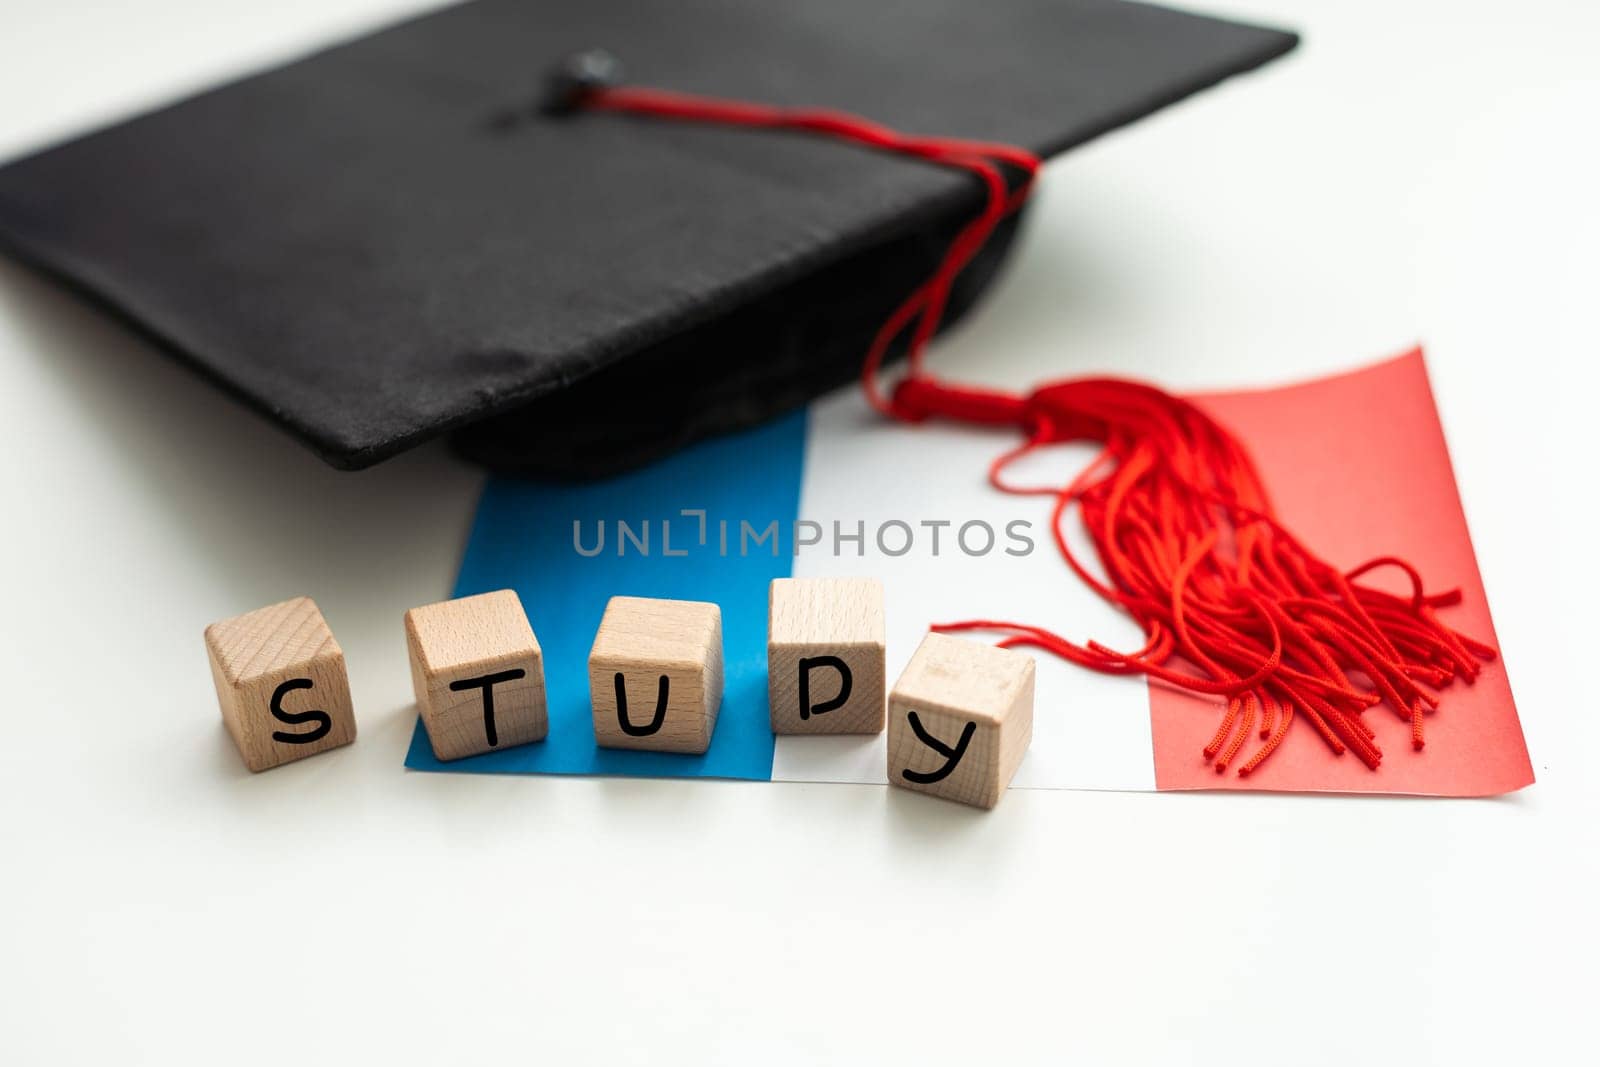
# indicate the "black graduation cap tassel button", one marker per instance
pixel 577 77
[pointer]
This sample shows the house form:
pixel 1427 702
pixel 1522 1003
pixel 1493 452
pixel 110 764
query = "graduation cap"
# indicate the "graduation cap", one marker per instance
pixel 399 237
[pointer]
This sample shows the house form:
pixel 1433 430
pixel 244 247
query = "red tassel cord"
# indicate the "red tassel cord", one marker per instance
pixel 1232 604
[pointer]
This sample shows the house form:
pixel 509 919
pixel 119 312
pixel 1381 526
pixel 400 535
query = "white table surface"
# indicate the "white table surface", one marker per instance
pixel 1416 171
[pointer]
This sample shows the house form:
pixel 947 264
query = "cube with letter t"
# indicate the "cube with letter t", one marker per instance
pixel 655 674
pixel 478 674
pixel 960 719
pixel 825 655
pixel 281 682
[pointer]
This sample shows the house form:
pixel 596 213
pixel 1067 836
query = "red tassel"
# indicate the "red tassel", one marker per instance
pixel 1231 602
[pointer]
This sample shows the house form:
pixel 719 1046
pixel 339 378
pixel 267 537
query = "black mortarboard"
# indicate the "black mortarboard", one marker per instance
pixel 395 237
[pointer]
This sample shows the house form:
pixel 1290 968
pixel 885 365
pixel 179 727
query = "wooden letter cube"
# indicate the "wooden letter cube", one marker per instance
pixel 825 662
pixel 655 674
pixel 478 674
pixel 960 718
pixel 281 683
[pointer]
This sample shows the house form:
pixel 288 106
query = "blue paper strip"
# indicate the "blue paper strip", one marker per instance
pixel 523 539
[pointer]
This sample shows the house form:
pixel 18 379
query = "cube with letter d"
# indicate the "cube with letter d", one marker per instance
pixel 825 655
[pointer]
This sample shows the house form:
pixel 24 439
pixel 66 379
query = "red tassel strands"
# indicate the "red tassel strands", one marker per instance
pixel 1230 601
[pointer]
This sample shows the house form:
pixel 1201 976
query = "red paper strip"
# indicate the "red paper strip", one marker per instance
pixel 1358 467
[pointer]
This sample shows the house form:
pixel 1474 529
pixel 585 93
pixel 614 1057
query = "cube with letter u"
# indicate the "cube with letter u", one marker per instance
pixel 655 674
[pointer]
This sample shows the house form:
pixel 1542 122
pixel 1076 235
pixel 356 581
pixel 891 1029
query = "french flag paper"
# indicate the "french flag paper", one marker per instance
pixel 1357 464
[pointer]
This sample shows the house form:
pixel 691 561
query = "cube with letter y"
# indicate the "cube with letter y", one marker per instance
pixel 655 674
pixel 281 682
pixel 960 719
pixel 825 655
pixel 478 674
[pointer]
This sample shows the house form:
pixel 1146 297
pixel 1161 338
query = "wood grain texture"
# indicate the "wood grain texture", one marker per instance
pixel 952 687
pixel 456 642
pixel 284 653
pixel 644 640
pixel 810 620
